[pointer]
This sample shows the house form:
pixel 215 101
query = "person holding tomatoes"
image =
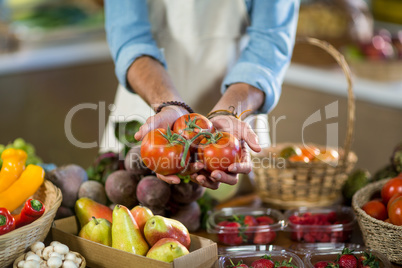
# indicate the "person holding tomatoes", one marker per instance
pixel 176 54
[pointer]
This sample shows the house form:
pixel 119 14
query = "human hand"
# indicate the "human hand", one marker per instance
pixel 242 131
pixel 164 119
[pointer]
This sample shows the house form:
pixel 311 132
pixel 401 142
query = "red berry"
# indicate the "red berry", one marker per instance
pixel 231 235
pixel 265 220
pixel 264 262
pixel 347 259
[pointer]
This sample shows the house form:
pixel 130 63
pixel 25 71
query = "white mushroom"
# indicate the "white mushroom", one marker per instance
pixel 37 246
pixel 54 243
pixel 21 264
pixel 61 249
pixel 33 257
pixel 69 264
pixel 31 264
pixel 46 252
pixel 70 256
pixel 39 252
pixel 56 254
pixel 29 253
pixel 54 262
pixel 78 260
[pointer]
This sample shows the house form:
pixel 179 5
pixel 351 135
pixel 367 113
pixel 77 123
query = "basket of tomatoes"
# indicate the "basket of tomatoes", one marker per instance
pixel 378 208
pixel 293 175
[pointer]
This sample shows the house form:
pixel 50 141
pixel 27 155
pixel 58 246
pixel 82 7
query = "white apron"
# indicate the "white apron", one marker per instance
pixel 201 40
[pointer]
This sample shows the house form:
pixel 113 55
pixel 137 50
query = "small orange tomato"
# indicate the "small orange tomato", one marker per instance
pixel 299 158
pixel 310 152
pixel 328 156
pixel 376 209
pixel 395 211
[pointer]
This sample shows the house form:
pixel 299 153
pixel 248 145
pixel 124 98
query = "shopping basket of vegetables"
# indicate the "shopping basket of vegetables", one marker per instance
pixel 28 205
pixel 292 175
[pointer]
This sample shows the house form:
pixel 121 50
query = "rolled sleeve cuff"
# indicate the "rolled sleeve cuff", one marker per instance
pixel 257 76
pixel 130 54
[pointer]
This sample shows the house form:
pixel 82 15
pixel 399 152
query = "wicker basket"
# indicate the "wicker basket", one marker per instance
pixel 379 235
pixel 83 262
pixel 311 184
pixel 13 244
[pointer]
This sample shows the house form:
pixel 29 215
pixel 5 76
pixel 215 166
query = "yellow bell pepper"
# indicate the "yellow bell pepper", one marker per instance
pixel 13 165
pixel 24 187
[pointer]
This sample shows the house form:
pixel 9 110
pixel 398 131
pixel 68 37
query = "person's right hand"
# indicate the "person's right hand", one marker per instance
pixel 164 119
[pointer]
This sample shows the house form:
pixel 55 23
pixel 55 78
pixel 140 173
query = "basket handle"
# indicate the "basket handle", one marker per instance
pixel 351 99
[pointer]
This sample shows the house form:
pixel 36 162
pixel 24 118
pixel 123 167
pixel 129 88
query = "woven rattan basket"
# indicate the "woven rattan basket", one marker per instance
pixel 13 244
pixel 307 184
pixel 379 235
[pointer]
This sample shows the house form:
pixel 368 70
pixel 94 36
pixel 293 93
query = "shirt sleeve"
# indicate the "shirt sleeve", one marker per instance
pixel 129 36
pixel 264 60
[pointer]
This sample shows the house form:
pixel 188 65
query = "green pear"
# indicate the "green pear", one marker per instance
pixel 141 215
pixel 159 227
pixel 167 249
pixel 98 230
pixel 125 232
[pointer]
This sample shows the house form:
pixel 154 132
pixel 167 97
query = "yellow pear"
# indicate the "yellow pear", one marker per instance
pixel 126 234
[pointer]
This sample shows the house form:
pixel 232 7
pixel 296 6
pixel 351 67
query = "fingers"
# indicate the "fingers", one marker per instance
pixel 223 177
pixel 192 168
pixel 171 179
pixel 249 136
pixel 206 181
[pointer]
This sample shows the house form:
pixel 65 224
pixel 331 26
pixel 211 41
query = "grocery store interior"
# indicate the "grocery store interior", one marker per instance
pixel 54 57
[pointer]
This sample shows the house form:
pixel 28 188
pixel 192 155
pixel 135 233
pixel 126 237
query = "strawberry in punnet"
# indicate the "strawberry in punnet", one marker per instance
pixel 264 262
pixel 347 259
pixel 231 235
pixel 265 220
pixel 285 264
pixel 264 237
pixel 368 260
pixel 325 264
pixel 249 222
pixel 240 264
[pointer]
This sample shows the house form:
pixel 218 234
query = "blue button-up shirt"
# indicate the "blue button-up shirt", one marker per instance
pixel 262 63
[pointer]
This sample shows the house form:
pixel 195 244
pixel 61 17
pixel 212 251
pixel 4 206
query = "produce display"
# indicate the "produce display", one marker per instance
pixel 349 259
pixel 53 256
pixel 389 207
pixel 320 225
pixel 136 231
pixel 308 154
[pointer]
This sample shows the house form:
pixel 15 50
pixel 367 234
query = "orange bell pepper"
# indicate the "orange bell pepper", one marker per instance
pixel 13 166
pixel 23 188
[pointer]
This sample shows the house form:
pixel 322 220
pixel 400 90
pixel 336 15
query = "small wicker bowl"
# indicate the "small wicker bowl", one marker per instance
pixel 293 185
pixel 83 262
pixel 14 244
pixel 378 235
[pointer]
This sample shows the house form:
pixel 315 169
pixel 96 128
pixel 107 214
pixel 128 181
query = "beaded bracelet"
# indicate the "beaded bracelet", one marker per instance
pixel 175 103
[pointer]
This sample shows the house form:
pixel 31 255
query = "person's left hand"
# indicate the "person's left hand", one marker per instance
pixel 242 131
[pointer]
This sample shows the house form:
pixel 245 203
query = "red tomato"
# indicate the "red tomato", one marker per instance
pixel 162 154
pixel 376 209
pixel 392 187
pixel 187 126
pixel 219 155
pixel 393 198
pixel 395 211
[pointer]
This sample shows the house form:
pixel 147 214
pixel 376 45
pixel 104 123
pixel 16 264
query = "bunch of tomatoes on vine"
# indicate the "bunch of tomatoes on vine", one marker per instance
pixel 191 138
